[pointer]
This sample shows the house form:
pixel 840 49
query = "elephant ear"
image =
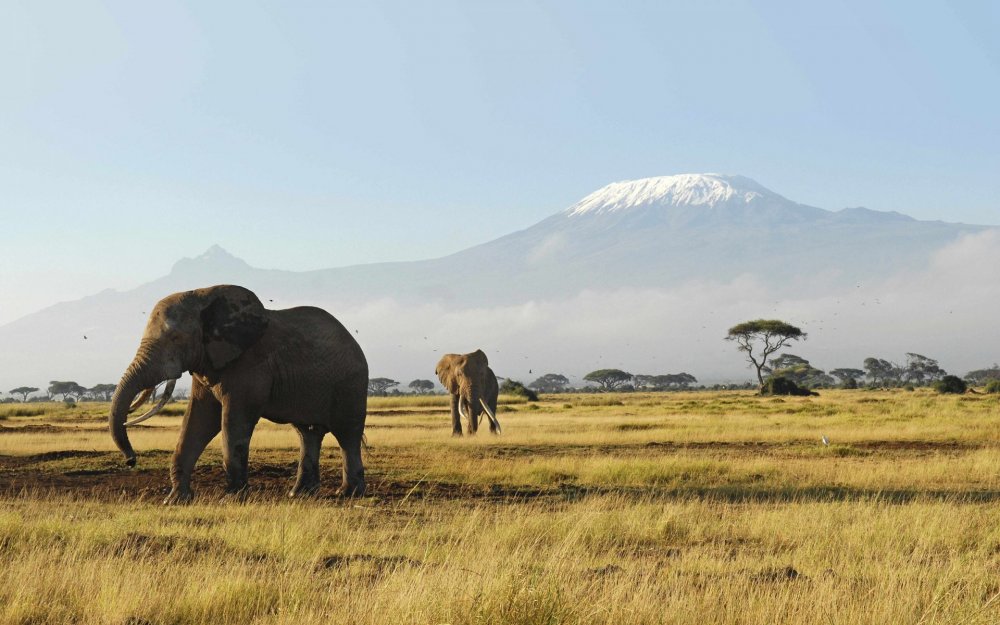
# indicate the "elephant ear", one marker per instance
pixel 476 364
pixel 233 320
pixel 445 371
pixel 478 356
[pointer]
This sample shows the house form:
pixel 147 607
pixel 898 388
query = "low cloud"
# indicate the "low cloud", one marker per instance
pixel 946 312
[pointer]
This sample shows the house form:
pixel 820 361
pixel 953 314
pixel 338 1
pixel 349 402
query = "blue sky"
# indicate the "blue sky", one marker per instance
pixel 321 134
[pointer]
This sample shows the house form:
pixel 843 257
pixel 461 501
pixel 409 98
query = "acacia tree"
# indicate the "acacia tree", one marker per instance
pixel 102 391
pixel 800 371
pixel 921 370
pixel 976 376
pixel 421 386
pixel 882 372
pixel 378 386
pixel 66 389
pixel 23 391
pixel 550 383
pixel 609 379
pixel 761 338
pixel 847 376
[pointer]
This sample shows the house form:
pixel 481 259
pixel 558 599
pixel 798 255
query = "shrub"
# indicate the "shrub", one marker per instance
pixel 993 386
pixel 950 384
pixel 778 385
pixel 513 387
pixel 851 383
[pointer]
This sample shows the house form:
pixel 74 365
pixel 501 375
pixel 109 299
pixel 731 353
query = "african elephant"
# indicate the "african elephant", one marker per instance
pixel 473 388
pixel 297 366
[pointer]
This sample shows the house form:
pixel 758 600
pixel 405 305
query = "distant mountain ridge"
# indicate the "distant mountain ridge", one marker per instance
pixel 657 233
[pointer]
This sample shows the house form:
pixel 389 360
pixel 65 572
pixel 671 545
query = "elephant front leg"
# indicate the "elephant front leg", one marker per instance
pixel 456 419
pixel 202 422
pixel 237 428
pixel 311 439
pixel 472 413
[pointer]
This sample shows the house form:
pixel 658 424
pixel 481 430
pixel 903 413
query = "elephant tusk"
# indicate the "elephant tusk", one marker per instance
pixel 489 413
pixel 168 391
pixel 143 396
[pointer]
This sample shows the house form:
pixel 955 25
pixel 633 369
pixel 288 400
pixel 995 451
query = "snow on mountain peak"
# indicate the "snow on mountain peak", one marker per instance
pixel 707 190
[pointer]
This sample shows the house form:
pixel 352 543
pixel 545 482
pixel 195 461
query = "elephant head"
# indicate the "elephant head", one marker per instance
pixel 472 383
pixel 201 331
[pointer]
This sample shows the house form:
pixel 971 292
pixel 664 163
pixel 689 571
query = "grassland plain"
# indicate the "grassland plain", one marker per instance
pixel 629 508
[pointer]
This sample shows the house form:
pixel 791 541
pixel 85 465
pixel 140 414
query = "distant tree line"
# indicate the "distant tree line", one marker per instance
pixel 917 370
pixel 606 380
pixel 67 391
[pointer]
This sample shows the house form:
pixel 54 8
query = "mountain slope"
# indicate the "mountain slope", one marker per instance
pixel 654 233
pixel 669 230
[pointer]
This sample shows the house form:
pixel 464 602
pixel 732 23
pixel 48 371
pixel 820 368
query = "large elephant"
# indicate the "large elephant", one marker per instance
pixel 297 366
pixel 473 388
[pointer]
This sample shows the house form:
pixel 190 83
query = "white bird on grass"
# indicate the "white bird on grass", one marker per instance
pixel 825 440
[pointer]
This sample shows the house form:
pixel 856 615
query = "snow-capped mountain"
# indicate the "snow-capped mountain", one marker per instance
pixel 706 190
pixel 668 230
pixel 651 234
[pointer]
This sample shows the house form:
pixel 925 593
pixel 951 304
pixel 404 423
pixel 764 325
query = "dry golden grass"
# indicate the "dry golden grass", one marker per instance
pixel 632 508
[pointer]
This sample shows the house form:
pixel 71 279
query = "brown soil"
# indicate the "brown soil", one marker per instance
pixel 103 477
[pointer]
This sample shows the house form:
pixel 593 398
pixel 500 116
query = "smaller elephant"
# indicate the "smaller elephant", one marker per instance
pixel 473 387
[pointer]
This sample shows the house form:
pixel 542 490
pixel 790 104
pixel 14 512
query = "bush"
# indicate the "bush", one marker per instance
pixel 851 383
pixel 778 385
pixel 950 384
pixel 993 386
pixel 513 387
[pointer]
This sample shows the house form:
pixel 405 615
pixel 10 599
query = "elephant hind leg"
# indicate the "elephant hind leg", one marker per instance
pixel 307 479
pixel 353 472
pixel 348 427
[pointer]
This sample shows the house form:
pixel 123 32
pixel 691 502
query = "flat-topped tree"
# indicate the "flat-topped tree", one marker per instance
pixel 550 383
pixel 882 372
pixel 760 338
pixel 977 376
pixel 66 389
pixel 609 379
pixel 848 377
pixel 102 391
pixel 379 386
pixel 23 391
pixel 421 386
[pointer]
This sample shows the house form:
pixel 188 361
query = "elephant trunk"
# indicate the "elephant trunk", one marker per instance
pixel 140 375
